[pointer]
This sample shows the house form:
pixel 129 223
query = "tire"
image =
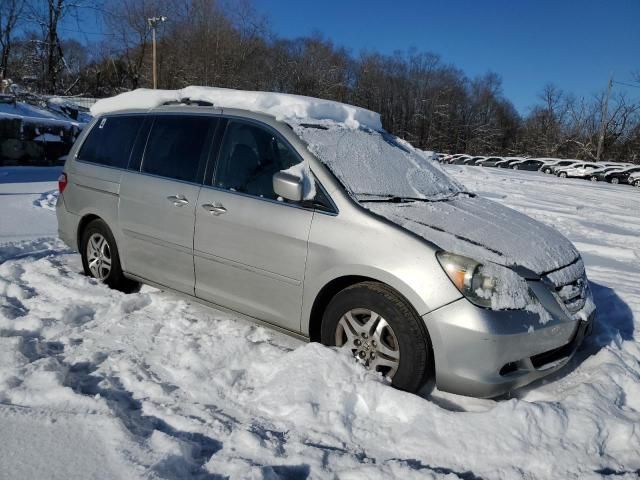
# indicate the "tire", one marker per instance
pixel 547 170
pixel 515 167
pixel 100 258
pixel 402 341
pixel 637 183
pixel 594 179
pixel 562 175
pixel 615 180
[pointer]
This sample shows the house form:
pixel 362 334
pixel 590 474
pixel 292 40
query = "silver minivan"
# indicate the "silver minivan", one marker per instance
pixel 345 236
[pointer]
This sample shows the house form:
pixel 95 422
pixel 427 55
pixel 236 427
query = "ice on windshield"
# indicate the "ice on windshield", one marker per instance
pixel 373 163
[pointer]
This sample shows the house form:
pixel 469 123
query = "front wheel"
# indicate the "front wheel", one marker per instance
pixel 563 175
pixel 594 179
pixel 637 183
pixel 382 332
pixel 515 167
pixel 547 170
pixel 100 258
pixel 615 180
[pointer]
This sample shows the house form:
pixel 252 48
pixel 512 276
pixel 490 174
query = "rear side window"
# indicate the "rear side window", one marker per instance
pixel 178 146
pixel 110 141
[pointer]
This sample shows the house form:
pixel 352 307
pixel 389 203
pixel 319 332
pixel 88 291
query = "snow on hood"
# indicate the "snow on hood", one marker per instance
pixel 483 230
pixel 284 107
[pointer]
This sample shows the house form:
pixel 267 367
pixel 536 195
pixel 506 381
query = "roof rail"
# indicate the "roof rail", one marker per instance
pixel 188 101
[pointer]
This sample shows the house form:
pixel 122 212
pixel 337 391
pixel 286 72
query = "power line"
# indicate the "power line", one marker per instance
pixel 71 30
pixel 626 84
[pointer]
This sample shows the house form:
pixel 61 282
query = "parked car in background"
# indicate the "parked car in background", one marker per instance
pixel 551 168
pixel 473 160
pixel 490 161
pixel 460 160
pixel 577 170
pixel 598 174
pixel 621 175
pixel 453 158
pixel 530 164
pixel 634 179
pixel 507 162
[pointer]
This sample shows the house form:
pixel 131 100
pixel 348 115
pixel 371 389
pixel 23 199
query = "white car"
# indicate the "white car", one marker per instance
pixel 553 166
pixel 577 170
pixel 634 179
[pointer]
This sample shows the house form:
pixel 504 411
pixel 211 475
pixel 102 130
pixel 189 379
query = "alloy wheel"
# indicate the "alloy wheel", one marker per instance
pixel 99 256
pixel 371 340
pixel 615 180
pixel 594 179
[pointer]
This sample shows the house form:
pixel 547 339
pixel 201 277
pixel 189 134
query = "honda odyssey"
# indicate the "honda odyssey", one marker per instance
pixel 332 232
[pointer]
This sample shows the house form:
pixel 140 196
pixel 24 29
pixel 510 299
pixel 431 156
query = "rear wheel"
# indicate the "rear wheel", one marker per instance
pixel 562 175
pixel 515 167
pixel 382 331
pixel 637 183
pixel 594 179
pixel 547 170
pixel 100 258
pixel 615 180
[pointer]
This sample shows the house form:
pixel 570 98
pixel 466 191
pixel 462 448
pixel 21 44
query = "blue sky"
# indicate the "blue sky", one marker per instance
pixel 575 44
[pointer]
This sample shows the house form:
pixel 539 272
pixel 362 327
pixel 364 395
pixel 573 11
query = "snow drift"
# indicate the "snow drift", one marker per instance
pixel 98 384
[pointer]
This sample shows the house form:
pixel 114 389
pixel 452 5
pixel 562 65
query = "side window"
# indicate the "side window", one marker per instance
pixel 110 141
pixel 177 146
pixel 249 157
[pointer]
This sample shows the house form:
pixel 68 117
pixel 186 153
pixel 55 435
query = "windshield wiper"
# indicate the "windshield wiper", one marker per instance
pixel 399 199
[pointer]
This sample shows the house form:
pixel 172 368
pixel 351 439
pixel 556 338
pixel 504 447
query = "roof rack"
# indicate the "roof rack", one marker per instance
pixel 188 101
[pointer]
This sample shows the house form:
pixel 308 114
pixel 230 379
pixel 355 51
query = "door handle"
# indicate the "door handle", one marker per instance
pixel 178 200
pixel 215 208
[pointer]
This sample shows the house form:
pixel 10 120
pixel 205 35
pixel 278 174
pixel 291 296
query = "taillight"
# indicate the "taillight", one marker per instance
pixel 62 182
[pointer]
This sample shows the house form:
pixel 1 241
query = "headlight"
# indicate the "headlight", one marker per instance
pixel 486 285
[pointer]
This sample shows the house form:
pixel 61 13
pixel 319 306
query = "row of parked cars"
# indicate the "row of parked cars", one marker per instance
pixel 612 172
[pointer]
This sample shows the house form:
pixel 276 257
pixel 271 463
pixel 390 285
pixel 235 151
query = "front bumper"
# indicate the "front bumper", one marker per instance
pixel 486 353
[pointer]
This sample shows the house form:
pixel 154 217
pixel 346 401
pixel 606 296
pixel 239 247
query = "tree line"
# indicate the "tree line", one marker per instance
pixel 421 98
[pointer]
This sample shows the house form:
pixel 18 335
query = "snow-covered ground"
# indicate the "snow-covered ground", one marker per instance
pixel 97 384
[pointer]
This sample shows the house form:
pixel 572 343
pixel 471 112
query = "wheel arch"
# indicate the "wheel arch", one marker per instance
pixel 331 288
pixel 84 221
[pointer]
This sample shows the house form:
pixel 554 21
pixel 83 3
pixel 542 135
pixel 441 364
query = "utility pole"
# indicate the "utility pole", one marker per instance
pixel 603 120
pixel 153 24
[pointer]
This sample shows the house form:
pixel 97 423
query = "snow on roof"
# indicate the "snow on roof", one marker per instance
pixel 282 106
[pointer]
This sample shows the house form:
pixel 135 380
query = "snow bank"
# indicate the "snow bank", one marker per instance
pixel 282 106
pixel 149 385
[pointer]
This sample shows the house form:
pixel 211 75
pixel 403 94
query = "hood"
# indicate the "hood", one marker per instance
pixel 483 230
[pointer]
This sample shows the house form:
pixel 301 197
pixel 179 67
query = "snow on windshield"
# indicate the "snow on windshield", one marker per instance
pixel 375 163
pixel 282 106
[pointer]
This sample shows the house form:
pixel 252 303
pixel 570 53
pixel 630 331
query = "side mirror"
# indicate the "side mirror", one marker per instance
pixel 287 186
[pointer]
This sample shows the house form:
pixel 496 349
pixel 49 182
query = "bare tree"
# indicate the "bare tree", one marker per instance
pixel 10 14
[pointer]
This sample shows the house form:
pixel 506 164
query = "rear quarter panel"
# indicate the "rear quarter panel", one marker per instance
pixel 92 189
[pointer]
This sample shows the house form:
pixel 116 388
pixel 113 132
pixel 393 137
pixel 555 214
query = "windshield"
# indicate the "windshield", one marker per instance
pixel 376 164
